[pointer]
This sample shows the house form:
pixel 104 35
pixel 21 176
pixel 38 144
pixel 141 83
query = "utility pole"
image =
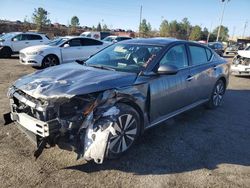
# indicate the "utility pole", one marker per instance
pixel 140 21
pixel 233 33
pixel 209 33
pixel 221 18
pixel 245 26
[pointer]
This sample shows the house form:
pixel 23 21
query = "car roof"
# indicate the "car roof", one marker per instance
pixel 153 41
pixel 74 37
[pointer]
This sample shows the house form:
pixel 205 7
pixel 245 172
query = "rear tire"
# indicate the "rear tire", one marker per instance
pixel 49 61
pixel 217 95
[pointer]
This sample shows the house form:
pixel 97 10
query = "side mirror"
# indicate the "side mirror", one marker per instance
pixel 14 39
pixel 167 69
pixel 66 45
pixel 80 61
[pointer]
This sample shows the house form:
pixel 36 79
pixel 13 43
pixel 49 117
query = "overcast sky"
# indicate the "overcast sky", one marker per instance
pixel 125 14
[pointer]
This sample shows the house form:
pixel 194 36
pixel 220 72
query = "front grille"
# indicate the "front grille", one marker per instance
pixel 20 106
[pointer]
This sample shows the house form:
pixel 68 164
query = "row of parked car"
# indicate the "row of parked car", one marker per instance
pixel 38 50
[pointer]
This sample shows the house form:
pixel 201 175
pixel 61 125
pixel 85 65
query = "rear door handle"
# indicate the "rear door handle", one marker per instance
pixel 26 42
pixel 189 78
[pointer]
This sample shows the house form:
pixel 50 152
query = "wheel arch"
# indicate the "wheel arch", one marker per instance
pixel 224 80
pixel 52 54
pixel 135 106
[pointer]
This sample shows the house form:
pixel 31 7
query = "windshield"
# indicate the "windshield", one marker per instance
pixel 109 39
pixel 8 35
pixel 125 57
pixel 57 42
pixel 211 45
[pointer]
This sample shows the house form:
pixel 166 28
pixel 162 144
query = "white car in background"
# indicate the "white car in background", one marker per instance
pixel 61 50
pixel 11 43
pixel 241 63
pixel 114 38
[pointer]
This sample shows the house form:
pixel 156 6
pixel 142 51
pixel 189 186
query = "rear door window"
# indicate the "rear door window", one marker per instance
pixel 198 55
pixel 209 54
pixel 34 37
pixel 90 42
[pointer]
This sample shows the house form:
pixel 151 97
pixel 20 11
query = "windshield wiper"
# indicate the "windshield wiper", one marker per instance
pixel 101 67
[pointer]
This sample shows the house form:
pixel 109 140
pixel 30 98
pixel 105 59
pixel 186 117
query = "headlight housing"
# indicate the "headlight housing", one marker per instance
pixel 34 53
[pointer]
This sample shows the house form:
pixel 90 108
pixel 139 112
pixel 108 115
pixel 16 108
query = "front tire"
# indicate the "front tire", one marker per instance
pixel 49 61
pixel 127 128
pixel 6 52
pixel 217 95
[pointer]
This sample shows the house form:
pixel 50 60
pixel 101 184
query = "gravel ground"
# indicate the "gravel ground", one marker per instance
pixel 200 148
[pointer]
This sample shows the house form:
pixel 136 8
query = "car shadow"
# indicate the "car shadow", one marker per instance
pixel 197 139
pixel 11 57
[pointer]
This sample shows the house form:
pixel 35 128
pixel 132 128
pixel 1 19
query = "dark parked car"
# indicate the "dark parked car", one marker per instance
pixel 217 47
pixel 99 108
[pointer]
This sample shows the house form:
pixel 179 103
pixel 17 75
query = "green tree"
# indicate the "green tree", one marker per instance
pixel 184 29
pixel 149 27
pixel 145 28
pixel 40 18
pixel 195 33
pixel 99 27
pixel 164 29
pixel 173 29
pixel 75 21
pixel 93 28
pixel 204 34
pixel 105 27
pixel 223 33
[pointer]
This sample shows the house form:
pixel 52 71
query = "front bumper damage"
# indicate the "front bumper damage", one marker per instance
pixel 240 70
pixel 86 131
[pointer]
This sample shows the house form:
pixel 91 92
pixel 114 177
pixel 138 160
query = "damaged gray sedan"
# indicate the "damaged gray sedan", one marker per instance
pixel 98 108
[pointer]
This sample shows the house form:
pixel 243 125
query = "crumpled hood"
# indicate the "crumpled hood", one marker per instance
pixel 37 48
pixel 244 53
pixel 71 79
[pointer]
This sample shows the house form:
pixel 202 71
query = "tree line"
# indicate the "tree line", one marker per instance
pixel 181 30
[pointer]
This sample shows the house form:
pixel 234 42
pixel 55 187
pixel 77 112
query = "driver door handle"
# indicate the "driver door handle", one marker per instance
pixel 189 78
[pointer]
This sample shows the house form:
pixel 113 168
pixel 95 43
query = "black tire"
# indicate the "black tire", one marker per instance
pixel 6 52
pixel 49 61
pixel 217 95
pixel 127 128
